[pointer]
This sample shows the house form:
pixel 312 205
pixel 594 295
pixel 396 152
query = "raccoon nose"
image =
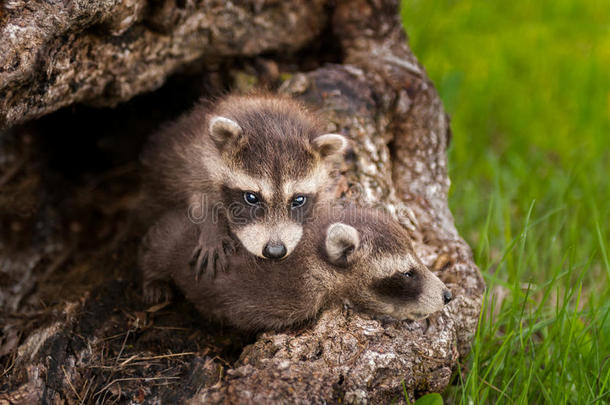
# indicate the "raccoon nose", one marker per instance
pixel 447 296
pixel 274 250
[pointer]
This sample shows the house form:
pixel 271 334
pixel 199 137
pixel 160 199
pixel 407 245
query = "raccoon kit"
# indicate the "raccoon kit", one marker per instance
pixel 256 165
pixel 355 255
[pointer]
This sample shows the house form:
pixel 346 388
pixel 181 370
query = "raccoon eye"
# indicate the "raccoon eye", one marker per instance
pixel 298 201
pixel 251 198
pixel 409 274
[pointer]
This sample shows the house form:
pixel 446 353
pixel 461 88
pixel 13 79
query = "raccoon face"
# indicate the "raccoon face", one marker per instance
pixel 275 173
pixel 268 226
pixel 382 274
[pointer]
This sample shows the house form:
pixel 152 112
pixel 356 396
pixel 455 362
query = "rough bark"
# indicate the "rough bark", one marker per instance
pixel 103 52
pixel 74 325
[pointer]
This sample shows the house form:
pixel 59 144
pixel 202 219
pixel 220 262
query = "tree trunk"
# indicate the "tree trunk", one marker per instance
pixel 54 54
pixel 74 326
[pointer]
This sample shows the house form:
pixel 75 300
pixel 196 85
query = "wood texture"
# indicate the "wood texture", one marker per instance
pixel 74 326
pixel 54 54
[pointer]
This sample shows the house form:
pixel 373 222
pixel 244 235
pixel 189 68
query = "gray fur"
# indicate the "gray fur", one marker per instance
pixel 206 160
pixel 263 294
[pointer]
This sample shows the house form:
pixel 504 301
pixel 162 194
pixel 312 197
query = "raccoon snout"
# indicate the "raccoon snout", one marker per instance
pixel 447 297
pixel 274 250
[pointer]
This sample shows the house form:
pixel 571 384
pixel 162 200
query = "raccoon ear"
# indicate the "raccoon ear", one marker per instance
pixel 330 145
pixel 341 242
pixel 223 130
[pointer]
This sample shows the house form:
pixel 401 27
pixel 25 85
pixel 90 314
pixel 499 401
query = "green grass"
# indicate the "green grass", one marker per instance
pixel 527 84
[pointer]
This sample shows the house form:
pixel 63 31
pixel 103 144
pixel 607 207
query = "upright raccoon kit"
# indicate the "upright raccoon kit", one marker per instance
pixel 258 165
pixel 355 255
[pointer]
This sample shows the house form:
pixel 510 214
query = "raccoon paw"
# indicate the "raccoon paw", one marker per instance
pixel 157 291
pixel 211 260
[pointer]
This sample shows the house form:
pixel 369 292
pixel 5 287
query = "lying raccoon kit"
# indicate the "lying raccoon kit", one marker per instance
pixel 355 255
pixel 258 165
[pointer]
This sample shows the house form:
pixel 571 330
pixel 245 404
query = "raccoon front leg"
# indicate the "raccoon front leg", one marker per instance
pixel 214 245
pixel 157 255
pixel 155 278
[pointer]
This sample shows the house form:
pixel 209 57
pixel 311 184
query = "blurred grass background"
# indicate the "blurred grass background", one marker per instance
pixel 527 84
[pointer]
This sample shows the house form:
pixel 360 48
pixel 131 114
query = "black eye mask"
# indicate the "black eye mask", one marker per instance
pixel 400 287
pixel 239 210
pixel 303 212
